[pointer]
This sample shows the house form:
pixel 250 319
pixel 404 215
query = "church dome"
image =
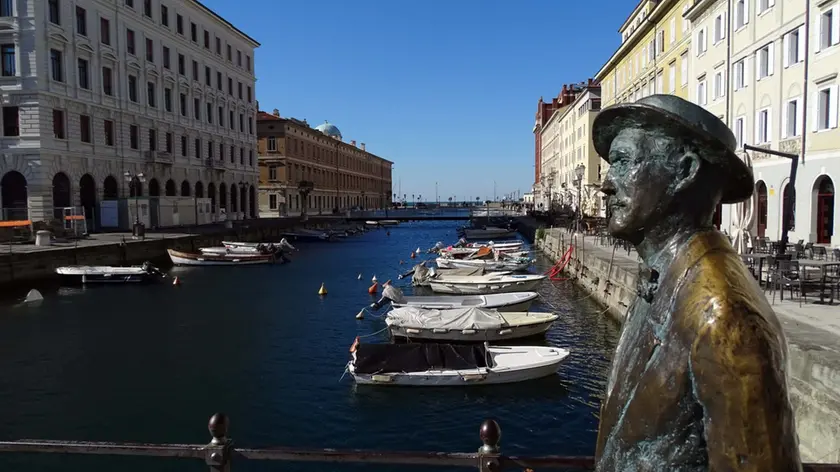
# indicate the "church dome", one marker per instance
pixel 329 129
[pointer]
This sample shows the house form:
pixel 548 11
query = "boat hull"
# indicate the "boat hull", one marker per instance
pixel 96 279
pixel 450 302
pixel 471 335
pixel 189 259
pixel 482 288
pixel 445 263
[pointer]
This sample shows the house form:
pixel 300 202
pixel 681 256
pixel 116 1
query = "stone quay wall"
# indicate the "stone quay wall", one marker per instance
pixel 609 276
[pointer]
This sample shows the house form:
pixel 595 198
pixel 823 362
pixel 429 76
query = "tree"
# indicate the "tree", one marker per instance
pixel 305 187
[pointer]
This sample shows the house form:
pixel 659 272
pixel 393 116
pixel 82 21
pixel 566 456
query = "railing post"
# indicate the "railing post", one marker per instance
pixel 218 453
pixel 488 453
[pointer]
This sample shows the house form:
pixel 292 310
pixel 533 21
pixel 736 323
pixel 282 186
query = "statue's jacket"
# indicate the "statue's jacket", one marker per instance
pixel 699 377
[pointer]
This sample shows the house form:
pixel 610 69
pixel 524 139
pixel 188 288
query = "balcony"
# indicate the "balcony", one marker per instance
pixel 158 157
pixel 212 163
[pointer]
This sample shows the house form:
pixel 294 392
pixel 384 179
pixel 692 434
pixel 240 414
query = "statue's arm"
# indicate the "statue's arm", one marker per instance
pixel 738 374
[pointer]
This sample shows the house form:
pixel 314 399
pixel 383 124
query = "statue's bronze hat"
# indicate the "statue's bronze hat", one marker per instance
pixel 716 142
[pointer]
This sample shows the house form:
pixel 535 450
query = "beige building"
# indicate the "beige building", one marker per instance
pixel 577 149
pixel 760 75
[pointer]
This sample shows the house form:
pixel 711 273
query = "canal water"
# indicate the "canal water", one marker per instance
pixel 152 363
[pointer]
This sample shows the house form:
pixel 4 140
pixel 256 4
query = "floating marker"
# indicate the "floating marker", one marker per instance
pixel 33 296
pixel 412 255
pixel 323 290
pixel 388 282
pixel 373 288
pixel 361 315
pixel 417 251
pixel 176 281
pixel 373 279
pixel 402 262
pixel 359 277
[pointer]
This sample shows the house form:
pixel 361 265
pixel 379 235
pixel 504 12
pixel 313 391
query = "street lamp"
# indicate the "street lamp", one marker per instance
pixel 243 195
pixel 138 230
pixel 579 170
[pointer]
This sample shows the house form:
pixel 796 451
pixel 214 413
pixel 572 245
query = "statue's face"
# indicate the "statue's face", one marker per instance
pixel 639 183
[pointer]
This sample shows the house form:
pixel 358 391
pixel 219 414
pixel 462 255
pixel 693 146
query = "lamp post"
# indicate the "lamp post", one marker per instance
pixel 579 170
pixel 138 230
pixel 242 197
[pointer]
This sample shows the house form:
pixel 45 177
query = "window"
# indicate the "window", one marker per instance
pixel 742 13
pixel 57 65
pixel 660 46
pixel 764 5
pixel 272 170
pixel 764 62
pixel 168 142
pixel 210 150
pixel 150 50
pixel 790 119
pixel 250 126
pixel 184 145
pixel 197 148
pixel 166 63
pixel 195 70
pixel 150 94
pixel 829 28
pixel 81 21
pixel 58 124
pixel 672 31
pixel 129 3
pixel 11 121
pixel 826 108
pixel 134 137
pixel 9 66
pixel 207 75
pixel 196 108
pixel 684 69
pixel 241 123
pixel 793 47
pixel 229 53
pixel 206 39
pixel 239 89
pixel 164 15
pixel 183 104
pixel 248 59
pixel 167 99
pixel 719 91
pixel 239 58
pixel 84 74
pixel 672 77
pixel 686 23
pixel 701 92
pixel 272 198
pixel 701 41
pixel 108 126
pixel 105 31
pixel 209 113
pixel 194 32
pixel 152 140
pixel 762 128
pixel 230 119
pixel 54 12
pixel 221 116
pixel 739 131
pixel 132 88
pixel 182 66
pixel 232 154
pixel 271 143
pixel 179 24
pixel 6 8
pixel 251 157
pixel 221 151
pixel 660 83
pixel 129 42
pixel 147 8
pixel 249 94
pixel 219 80
pixel 107 81
pixel 739 69
pixel 84 129
pixel 230 86
pixel 719 28
pixel 218 45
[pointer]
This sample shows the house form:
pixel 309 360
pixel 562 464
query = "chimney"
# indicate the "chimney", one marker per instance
pixel 353 142
pixel 363 146
pixel 276 113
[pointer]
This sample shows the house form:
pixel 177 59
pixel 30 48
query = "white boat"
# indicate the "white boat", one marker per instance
pixel 488 233
pixel 245 246
pixel 197 259
pixel 490 265
pixel 248 248
pixel 450 365
pixel 466 324
pixel 476 252
pixel 483 284
pixel 506 302
pixel 498 245
pixel 108 274
pixel 372 223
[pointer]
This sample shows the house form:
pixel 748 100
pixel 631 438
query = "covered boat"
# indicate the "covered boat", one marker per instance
pixel 438 364
pixel 422 275
pixel 466 324
pixel 200 259
pixel 108 274
pixel 491 283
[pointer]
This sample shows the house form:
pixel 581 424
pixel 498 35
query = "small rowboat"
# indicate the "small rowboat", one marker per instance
pixel 108 275
pixel 491 283
pixel 466 324
pixel 196 259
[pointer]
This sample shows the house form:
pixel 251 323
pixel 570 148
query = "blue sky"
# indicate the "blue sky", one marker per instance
pixel 445 89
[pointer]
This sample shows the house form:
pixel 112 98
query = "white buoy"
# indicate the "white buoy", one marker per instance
pixel 374 279
pixel 33 296
pixel 417 251
pixel 359 277
pixel 361 315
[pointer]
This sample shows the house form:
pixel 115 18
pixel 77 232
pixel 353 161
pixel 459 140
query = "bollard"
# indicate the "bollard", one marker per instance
pixel 218 453
pixel 488 454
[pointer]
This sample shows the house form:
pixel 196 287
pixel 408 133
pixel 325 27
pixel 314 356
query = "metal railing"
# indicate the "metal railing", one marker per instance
pixel 220 453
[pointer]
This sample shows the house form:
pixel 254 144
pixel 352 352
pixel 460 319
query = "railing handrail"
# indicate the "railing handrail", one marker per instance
pixel 220 452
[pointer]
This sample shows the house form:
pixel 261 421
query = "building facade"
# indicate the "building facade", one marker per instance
pixel 776 89
pixel 312 170
pixel 96 93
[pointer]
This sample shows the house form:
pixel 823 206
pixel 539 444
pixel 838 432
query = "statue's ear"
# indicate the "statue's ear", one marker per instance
pixel 688 172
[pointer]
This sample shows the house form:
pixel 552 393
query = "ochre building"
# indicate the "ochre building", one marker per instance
pixel 313 169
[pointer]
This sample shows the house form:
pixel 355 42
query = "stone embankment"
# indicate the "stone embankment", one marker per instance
pixel 812 331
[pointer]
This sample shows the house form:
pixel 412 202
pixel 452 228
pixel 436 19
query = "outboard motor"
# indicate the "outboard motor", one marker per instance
pixel 272 248
pixel 461 243
pixel 389 294
pixel 149 268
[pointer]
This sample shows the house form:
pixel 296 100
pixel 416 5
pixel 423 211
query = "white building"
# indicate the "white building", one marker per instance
pixel 753 67
pixel 549 157
pixel 95 92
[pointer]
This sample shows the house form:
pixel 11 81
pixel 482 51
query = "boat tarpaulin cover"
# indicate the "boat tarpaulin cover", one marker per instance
pixel 455 319
pixel 418 357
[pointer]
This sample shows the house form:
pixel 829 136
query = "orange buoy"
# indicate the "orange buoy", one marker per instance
pixel 412 255
pixel 373 288
pixel 388 282
pixel 176 281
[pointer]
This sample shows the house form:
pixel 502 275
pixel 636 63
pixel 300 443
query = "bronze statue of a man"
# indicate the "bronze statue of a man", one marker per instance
pixel 699 377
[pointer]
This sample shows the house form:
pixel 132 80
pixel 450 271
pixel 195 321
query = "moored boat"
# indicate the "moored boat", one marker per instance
pixel 389 222
pixel 506 302
pixel 466 324
pixel 108 274
pixel 483 284
pixel 489 232
pixel 199 259
pixel 439 364
pixel 517 264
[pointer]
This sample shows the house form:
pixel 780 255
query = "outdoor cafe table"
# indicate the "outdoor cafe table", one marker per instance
pixel 823 266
